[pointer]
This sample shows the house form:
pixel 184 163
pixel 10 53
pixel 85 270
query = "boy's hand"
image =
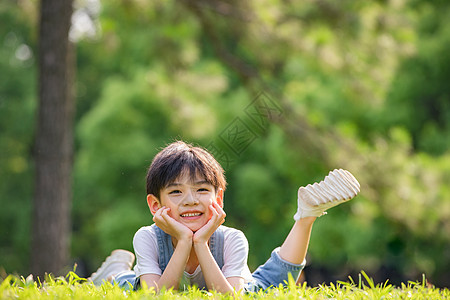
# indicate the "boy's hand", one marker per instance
pixel 218 217
pixel 170 226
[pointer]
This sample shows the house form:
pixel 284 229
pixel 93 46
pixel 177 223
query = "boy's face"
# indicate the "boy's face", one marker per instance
pixel 188 199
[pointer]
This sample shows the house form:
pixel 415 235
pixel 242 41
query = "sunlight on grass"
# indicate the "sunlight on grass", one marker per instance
pixel 74 287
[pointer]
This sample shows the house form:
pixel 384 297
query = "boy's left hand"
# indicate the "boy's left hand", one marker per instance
pixel 218 218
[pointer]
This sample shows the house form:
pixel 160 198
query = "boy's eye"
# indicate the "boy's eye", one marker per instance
pixel 175 192
pixel 203 190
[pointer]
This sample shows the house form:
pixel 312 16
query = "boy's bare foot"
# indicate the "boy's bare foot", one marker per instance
pixel 338 186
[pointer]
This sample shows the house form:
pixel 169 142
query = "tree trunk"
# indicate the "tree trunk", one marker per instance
pixel 54 141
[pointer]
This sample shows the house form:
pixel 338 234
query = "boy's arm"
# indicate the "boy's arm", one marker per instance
pixel 214 278
pixel 177 263
pixel 170 278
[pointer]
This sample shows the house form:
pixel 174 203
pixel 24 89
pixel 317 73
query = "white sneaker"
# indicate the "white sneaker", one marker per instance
pixel 119 260
pixel 338 187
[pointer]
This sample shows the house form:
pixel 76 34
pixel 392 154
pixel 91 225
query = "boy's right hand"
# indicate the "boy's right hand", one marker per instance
pixel 171 226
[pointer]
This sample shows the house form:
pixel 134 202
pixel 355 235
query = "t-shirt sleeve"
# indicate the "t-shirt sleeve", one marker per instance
pixel 146 251
pixel 235 254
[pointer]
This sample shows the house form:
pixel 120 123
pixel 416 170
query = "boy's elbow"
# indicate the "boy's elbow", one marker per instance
pixel 150 281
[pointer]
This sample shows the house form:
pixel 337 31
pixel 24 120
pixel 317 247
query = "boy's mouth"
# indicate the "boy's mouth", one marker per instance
pixel 190 215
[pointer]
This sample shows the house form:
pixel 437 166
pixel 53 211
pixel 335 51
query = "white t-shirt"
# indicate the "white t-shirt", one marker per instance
pixel 234 256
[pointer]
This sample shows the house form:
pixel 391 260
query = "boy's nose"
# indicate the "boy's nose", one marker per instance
pixel 190 199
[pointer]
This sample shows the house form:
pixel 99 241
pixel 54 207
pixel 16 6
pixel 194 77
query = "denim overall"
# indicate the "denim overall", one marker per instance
pixel 271 274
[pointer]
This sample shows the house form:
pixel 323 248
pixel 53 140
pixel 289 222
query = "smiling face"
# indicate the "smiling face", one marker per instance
pixel 188 198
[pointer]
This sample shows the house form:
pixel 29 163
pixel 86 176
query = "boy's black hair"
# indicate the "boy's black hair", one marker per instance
pixel 179 157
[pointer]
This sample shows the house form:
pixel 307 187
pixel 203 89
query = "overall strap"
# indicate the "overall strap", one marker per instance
pixel 165 247
pixel 216 246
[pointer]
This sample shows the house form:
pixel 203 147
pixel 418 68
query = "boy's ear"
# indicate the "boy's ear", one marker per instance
pixel 153 203
pixel 219 197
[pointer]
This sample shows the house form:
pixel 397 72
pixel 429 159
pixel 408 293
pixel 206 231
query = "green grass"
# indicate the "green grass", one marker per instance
pixel 74 287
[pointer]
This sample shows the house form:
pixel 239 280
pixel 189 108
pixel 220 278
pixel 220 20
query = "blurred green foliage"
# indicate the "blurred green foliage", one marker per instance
pixel 357 85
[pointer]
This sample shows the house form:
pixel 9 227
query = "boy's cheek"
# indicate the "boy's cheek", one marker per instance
pixel 170 213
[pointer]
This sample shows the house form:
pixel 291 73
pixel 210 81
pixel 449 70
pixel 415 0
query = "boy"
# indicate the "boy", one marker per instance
pixel 188 245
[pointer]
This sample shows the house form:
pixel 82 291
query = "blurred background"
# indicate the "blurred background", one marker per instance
pixel 280 91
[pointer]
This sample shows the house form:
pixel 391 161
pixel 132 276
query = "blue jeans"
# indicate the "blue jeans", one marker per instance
pixel 271 274
pixel 126 280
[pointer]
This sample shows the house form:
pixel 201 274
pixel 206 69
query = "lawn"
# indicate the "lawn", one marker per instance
pixel 74 287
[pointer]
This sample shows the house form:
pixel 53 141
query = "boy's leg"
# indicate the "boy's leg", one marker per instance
pixel 313 200
pixel 273 272
pixel 289 258
pixel 125 280
pixel 296 243
pixel 338 187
